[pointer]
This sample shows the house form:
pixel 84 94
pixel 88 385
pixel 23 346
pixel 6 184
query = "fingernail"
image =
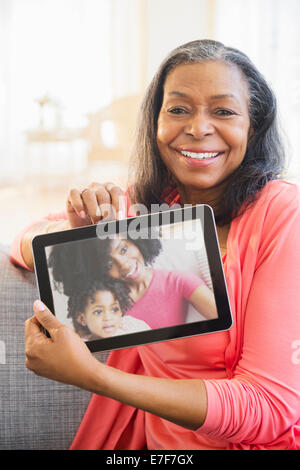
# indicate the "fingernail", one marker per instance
pixel 39 305
pixel 82 215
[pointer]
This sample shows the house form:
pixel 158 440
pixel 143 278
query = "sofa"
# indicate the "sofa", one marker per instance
pixel 35 413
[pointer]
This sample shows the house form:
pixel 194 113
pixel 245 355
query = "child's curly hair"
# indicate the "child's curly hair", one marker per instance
pixel 78 299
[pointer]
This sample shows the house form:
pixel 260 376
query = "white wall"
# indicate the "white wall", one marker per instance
pixel 170 23
pixel 126 46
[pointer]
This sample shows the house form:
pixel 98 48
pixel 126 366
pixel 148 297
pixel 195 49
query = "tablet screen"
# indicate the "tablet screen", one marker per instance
pixel 140 280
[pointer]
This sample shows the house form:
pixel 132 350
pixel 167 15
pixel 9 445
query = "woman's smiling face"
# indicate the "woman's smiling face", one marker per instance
pixel 203 125
pixel 126 262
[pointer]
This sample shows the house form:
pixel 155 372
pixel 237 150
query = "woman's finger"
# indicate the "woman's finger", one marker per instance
pixel 104 202
pixel 90 201
pixel 75 203
pixel 95 203
pixel 35 337
pixel 117 200
pixel 32 327
pixel 45 318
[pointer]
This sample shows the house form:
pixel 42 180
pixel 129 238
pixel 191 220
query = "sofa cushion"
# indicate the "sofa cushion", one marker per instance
pixel 35 413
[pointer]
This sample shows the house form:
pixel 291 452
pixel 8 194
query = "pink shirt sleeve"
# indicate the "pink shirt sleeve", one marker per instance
pixel 184 282
pixel 265 383
pixel 15 251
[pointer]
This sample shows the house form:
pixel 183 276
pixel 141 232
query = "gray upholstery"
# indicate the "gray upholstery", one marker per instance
pixel 35 413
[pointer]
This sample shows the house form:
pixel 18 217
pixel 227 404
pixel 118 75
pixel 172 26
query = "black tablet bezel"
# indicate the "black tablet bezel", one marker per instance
pixel 206 217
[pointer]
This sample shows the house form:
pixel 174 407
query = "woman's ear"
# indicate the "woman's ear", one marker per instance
pixel 81 319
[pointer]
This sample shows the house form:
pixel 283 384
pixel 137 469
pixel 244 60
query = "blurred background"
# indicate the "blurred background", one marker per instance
pixel 73 72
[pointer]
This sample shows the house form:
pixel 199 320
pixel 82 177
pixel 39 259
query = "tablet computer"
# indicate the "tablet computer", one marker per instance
pixel 135 281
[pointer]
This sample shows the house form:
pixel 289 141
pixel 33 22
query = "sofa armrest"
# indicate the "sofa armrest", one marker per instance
pixel 35 413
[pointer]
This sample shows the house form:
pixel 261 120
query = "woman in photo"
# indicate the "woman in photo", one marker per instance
pixel 207 134
pixel 159 297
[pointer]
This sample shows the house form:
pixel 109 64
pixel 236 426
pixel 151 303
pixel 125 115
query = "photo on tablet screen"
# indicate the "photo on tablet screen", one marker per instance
pixel 149 280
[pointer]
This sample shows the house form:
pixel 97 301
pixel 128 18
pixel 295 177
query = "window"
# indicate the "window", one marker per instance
pixel 53 51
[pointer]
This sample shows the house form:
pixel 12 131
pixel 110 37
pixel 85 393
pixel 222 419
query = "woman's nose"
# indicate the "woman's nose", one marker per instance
pixel 122 262
pixel 199 125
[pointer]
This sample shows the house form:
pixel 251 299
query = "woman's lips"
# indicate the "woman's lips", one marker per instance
pixel 133 272
pixel 199 159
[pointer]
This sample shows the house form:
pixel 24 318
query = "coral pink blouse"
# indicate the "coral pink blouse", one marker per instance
pixel 251 372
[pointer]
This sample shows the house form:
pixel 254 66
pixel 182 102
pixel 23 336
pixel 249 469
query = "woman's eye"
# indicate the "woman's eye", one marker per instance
pixel 224 112
pixel 115 310
pixel 123 250
pixel 177 110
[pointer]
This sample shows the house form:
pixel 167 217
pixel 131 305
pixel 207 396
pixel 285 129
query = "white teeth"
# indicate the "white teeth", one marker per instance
pixel 199 156
pixel 132 270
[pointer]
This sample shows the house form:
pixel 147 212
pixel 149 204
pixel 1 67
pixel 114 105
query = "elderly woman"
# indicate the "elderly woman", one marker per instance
pixel 207 134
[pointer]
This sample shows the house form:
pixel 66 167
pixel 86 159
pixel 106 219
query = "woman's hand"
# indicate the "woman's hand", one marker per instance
pixel 95 203
pixel 64 356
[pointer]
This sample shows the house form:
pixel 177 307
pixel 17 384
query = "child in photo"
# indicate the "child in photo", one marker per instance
pixel 98 311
